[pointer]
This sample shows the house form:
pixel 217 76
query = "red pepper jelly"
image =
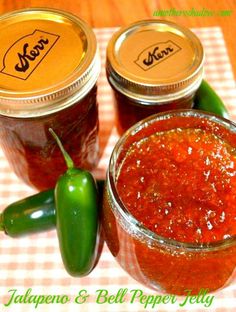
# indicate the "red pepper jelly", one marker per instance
pixel 48 76
pixel 152 66
pixel 169 212
pixel 181 185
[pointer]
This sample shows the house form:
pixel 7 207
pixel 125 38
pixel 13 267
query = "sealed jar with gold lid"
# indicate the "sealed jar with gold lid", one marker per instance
pixel 153 66
pixel 49 67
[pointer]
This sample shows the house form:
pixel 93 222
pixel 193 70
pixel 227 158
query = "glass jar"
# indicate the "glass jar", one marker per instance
pixel 153 66
pixel 50 66
pixel 159 262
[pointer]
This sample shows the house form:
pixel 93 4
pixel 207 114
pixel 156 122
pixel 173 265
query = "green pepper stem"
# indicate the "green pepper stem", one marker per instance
pixel 68 160
pixel 2 228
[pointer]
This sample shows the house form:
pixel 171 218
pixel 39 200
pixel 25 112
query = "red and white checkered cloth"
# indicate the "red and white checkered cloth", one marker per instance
pixel 35 262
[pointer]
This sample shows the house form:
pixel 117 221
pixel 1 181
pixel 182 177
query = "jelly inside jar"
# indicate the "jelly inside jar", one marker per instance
pixel 181 184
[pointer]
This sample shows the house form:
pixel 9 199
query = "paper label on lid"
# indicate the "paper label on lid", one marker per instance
pixel 156 53
pixel 25 54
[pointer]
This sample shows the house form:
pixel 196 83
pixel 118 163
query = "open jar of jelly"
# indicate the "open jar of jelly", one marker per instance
pixel 169 209
pixel 153 66
pixel 49 69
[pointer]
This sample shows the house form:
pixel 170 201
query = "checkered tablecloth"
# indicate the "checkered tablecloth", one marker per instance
pixel 34 261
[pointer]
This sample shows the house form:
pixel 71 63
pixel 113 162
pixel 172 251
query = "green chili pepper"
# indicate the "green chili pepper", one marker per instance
pixel 76 217
pixel 206 99
pixel 33 214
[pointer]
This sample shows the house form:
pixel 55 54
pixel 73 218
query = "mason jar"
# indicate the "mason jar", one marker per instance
pixel 152 66
pixel 181 262
pixel 49 70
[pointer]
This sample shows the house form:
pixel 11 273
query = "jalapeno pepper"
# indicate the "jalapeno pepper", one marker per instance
pixel 33 214
pixel 76 201
pixel 206 99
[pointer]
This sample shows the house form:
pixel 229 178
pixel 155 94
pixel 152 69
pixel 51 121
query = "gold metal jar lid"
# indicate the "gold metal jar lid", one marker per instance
pixel 48 61
pixel 155 61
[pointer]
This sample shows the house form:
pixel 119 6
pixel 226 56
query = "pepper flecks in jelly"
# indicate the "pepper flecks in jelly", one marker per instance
pixel 181 184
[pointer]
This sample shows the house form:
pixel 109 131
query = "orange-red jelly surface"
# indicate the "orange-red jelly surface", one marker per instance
pixel 181 184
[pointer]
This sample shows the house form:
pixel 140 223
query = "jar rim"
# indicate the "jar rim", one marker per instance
pixel 157 99
pixel 124 212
